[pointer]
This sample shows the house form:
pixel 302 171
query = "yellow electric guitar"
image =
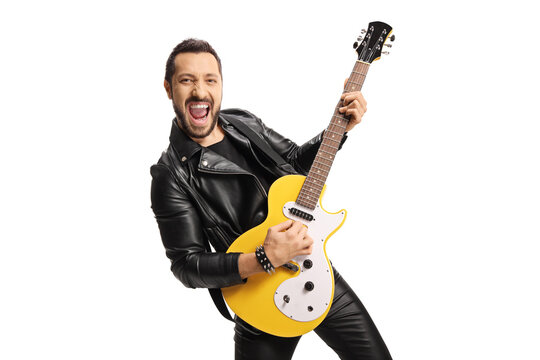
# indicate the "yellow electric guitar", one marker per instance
pixel 293 302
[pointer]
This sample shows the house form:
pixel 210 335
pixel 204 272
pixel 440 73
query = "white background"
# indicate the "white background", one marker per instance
pixel 440 180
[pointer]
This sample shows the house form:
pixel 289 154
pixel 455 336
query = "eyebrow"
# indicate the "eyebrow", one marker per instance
pixel 206 75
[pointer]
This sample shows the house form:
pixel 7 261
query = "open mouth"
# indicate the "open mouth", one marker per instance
pixel 199 112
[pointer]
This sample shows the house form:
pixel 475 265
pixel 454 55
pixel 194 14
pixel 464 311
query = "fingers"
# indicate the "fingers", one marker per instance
pixel 355 106
pixel 306 251
pixel 303 231
pixel 307 248
pixel 298 231
pixel 355 116
pixel 294 228
pixel 304 244
pixel 282 226
pixel 308 241
pixel 354 96
pixel 298 227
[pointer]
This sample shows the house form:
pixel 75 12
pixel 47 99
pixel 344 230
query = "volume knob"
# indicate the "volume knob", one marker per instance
pixel 309 286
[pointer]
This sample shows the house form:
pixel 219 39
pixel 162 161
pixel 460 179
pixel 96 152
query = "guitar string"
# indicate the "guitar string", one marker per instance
pixel 356 79
pixel 363 68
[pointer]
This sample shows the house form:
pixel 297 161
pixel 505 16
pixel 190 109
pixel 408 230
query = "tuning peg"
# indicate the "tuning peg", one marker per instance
pixel 386 52
pixel 392 38
pixel 389 45
pixel 363 31
pixel 355 45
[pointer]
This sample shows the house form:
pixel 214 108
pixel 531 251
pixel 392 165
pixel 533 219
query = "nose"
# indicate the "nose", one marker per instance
pixel 198 89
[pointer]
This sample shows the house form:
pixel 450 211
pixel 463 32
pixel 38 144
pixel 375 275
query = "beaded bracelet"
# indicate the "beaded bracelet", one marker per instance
pixel 263 260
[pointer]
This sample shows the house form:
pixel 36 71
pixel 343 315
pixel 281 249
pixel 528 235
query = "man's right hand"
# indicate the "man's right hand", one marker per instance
pixel 285 241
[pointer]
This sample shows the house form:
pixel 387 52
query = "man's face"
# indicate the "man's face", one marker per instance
pixel 196 91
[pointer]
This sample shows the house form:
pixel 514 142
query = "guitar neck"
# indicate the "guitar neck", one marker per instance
pixel 313 185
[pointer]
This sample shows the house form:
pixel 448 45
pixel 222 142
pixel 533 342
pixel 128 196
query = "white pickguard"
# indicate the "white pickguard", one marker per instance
pixel 304 305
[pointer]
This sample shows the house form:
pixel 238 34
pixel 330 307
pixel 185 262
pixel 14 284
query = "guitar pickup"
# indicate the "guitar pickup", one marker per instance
pixel 302 214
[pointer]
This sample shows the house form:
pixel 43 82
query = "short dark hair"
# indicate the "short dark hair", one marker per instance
pixel 189 46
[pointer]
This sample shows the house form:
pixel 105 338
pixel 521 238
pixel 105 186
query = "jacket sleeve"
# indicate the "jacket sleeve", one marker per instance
pixel 183 237
pixel 300 157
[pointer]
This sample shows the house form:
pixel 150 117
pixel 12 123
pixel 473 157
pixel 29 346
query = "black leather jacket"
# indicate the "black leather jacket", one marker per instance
pixel 200 198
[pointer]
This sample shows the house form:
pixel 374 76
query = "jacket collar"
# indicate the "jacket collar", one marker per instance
pixel 186 149
pixel 184 146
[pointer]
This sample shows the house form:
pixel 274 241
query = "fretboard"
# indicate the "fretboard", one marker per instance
pixel 313 185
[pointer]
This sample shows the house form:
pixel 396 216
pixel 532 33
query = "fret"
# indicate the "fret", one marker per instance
pixel 333 139
pixel 338 115
pixel 355 83
pixel 320 158
pixel 305 195
pixel 313 182
pixel 312 199
pixel 318 161
pixel 317 178
pixel 325 158
pixel 330 146
pixel 330 139
pixel 356 87
pixel 310 190
pixel 319 169
pixel 341 126
pixel 308 204
pixel 302 201
pixel 312 178
pixel 340 134
pixel 359 73
pixel 312 193
pixel 308 201
pixel 323 155
pixel 327 152
pixel 322 177
pixel 309 196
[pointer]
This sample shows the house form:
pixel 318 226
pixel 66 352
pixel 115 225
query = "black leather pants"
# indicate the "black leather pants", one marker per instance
pixel 347 329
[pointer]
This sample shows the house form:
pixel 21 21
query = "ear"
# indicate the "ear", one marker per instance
pixel 168 89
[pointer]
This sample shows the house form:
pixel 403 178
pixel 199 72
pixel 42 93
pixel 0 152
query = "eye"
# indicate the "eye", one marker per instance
pixel 185 81
pixel 212 81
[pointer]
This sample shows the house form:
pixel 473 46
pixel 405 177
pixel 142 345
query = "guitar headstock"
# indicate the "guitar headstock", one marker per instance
pixel 370 43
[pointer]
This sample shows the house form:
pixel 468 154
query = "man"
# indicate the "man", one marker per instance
pixel 210 186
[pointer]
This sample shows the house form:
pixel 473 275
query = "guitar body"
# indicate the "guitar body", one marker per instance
pixel 282 304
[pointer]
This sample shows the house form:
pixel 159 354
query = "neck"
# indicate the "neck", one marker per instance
pixel 314 183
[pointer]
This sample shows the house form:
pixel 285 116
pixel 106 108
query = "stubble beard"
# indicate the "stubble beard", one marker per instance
pixel 196 132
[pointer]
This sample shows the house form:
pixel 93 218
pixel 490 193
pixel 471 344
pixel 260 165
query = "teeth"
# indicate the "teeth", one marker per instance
pixel 199 106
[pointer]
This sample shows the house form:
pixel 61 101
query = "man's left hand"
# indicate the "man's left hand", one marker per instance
pixel 355 106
